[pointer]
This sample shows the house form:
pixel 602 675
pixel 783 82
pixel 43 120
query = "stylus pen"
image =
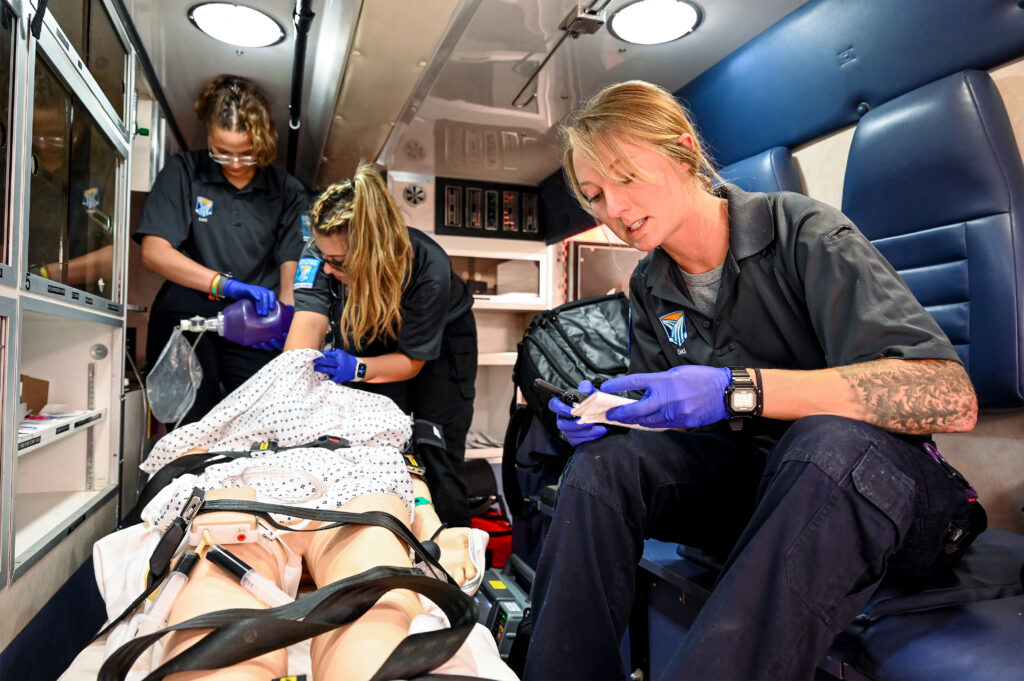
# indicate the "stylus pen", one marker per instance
pixel 570 396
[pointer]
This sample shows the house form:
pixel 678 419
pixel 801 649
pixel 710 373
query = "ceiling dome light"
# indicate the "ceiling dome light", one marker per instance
pixel 236 24
pixel 651 22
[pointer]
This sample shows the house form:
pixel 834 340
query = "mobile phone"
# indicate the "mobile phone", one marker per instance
pixel 570 396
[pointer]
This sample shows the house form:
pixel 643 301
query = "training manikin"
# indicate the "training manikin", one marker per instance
pixel 288 402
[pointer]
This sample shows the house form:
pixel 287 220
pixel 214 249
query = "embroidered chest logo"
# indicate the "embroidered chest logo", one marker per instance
pixel 91 198
pixel 674 324
pixel 204 207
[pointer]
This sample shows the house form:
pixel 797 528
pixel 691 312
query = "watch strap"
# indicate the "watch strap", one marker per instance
pixel 741 379
pixel 360 374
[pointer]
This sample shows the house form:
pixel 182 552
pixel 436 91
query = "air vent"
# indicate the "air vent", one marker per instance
pixel 414 151
pixel 414 194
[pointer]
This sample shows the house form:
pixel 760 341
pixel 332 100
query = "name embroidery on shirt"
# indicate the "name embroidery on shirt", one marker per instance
pixel 204 207
pixel 674 324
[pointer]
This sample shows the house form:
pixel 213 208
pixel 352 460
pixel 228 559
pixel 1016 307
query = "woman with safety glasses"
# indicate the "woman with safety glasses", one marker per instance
pixel 396 319
pixel 221 224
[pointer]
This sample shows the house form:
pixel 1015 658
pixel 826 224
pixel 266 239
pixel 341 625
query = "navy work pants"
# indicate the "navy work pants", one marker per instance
pixel 443 393
pixel 813 528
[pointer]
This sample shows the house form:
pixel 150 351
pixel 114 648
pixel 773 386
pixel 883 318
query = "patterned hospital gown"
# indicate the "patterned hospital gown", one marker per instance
pixel 287 401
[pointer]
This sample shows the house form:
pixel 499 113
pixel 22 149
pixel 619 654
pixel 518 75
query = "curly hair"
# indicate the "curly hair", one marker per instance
pixel 632 111
pixel 237 104
pixel 379 253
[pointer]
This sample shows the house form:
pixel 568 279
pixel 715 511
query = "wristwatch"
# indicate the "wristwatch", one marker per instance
pixel 743 397
pixel 360 374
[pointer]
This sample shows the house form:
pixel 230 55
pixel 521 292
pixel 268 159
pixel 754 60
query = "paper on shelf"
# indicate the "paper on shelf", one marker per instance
pixel 58 410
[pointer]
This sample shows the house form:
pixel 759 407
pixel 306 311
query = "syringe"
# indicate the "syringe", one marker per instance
pixel 258 585
pixel 156 618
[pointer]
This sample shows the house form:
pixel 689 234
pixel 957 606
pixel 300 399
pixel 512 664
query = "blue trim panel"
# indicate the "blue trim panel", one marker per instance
pixel 49 643
pixel 826 64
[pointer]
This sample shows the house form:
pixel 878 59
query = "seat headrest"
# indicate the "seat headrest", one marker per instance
pixel 770 171
pixel 934 178
pixel 940 154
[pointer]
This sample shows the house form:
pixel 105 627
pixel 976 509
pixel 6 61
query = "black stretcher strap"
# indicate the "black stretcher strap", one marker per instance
pixel 334 518
pixel 37 21
pixel 197 463
pixel 241 634
pixel 159 562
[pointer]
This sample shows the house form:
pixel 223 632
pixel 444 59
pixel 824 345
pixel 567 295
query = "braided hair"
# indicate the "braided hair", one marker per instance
pixel 237 104
pixel 379 253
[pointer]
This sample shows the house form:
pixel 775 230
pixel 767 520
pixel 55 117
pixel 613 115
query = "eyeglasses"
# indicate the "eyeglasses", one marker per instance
pixel 224 159
pixel 338 265
pixel 54 141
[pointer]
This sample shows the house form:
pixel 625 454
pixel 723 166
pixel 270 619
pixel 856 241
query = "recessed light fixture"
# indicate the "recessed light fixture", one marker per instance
pixel 650 22
pixel 236 24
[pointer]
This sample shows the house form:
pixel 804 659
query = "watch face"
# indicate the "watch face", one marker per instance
pixel 743 400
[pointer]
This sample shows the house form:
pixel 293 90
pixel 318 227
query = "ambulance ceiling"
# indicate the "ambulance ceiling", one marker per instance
pixel 427 86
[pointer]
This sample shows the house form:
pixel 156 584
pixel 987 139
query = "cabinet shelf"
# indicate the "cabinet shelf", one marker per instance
pixel 496 359
pixel 42 518
pixel 43 433
pixel 484 453
pixel 510 304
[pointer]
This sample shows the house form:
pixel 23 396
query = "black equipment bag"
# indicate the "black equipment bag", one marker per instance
pixel 582 339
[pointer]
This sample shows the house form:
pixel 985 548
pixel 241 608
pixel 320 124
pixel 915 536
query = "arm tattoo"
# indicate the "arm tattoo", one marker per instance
pixel 913 396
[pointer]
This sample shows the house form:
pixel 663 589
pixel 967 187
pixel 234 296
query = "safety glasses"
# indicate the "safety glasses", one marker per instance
pixel 224 159
pixel 338 265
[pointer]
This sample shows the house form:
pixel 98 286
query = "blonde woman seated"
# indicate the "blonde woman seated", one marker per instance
pixel 288 402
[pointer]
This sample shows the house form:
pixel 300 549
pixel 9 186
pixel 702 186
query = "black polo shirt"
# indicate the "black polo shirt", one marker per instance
pixel 246 232
pixel 432 296
pixel 801 288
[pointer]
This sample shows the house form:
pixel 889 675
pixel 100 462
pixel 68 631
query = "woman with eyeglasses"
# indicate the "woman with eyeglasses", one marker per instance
pixel 396 319
pixel 220 224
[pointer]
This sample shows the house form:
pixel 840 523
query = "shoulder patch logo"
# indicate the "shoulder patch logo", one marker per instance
pixel 91 198
pixel 307 227
pixel 305 273
pixel 204 207
pixel 674 324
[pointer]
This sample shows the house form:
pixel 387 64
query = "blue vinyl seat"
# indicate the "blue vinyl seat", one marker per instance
pixel 770 171
pixel 934 178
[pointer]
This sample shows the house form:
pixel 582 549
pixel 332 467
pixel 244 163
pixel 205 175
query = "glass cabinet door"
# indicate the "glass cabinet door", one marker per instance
pixel 72 191
pixel 107 56
pixel 89 29
pixel 7 24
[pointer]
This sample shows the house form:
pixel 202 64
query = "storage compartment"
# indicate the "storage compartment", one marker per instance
pixel 511 281
pixel 65 464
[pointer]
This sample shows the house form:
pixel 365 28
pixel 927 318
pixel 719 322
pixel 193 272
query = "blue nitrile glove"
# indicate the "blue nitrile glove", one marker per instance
pixel 575 432
pixel 339 366
pixel 274 344
pixel 687 396
pixel 263 298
